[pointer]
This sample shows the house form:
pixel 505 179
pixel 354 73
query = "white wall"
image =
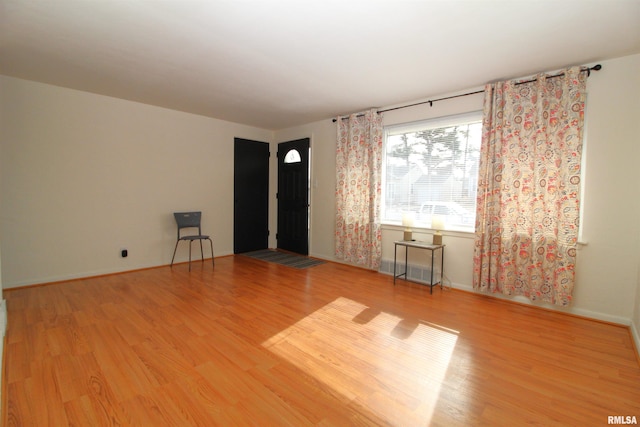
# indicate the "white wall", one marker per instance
pixel 607 273
pixel 83 176
pixel 635 326
pixel 608 266
pixel 635 321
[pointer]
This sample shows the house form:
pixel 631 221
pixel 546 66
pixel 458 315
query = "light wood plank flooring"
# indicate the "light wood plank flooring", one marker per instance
pixel 257 344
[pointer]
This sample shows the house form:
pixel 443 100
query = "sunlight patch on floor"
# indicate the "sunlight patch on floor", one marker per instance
pixel 392 366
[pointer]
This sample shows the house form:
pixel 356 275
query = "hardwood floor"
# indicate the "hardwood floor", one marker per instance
pixel 252 343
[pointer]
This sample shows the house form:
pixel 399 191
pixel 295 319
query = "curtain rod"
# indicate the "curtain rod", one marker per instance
pixel 587 70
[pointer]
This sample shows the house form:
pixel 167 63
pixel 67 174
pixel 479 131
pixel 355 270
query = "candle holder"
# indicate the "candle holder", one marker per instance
pixel 407 222
pixel 437 223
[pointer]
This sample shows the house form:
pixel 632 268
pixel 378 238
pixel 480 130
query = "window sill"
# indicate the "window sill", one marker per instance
pixel 426 230
pixel 454 233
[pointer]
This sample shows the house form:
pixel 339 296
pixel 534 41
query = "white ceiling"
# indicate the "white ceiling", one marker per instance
pixel 280 63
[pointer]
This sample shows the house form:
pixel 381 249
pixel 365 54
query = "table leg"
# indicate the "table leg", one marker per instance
pixel 406 263
pixel 395 255
pixel 442 267
pixel 431 282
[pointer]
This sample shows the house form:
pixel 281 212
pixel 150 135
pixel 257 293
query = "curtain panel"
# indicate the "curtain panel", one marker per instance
pixel 529 187
pixel 358 189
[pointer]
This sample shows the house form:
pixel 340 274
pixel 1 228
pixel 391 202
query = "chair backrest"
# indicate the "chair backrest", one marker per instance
pixel 188 220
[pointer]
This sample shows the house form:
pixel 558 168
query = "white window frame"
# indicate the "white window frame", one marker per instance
pixel 402 128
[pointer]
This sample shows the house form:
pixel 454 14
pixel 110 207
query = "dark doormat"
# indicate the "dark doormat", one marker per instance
pixel 284 258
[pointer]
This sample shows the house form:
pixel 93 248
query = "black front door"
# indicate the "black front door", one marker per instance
pixel 251 196
pixel 293 196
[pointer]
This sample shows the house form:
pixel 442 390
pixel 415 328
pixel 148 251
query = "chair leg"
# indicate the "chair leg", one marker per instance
pixel 212 260
pixel 201 252
pixel 174 253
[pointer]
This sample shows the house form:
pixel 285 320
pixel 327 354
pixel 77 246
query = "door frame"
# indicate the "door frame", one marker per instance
pixel 282 151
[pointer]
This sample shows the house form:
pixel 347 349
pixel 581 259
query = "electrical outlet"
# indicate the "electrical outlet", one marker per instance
pixel 124 253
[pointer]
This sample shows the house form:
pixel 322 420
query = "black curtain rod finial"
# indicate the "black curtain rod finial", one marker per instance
pixel 596 67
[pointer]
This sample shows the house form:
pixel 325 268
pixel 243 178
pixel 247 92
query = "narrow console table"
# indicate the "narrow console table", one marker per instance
pixel 419 245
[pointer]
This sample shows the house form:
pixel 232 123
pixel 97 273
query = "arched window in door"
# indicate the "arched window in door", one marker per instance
pixel 293 156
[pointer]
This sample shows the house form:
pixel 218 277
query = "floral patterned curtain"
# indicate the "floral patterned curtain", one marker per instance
pixel 529 187
pixel 358 189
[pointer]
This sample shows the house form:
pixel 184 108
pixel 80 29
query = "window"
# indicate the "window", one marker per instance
pixel 431 168
pixel 293 156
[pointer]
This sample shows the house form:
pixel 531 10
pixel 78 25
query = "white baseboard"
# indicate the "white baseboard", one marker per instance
pixel 3 329
pixel 422 273
pixel 3 319
pixel 635 335
pixel 594 315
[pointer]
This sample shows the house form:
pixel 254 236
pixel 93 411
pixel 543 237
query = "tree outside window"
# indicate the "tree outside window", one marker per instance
pixel 431 169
